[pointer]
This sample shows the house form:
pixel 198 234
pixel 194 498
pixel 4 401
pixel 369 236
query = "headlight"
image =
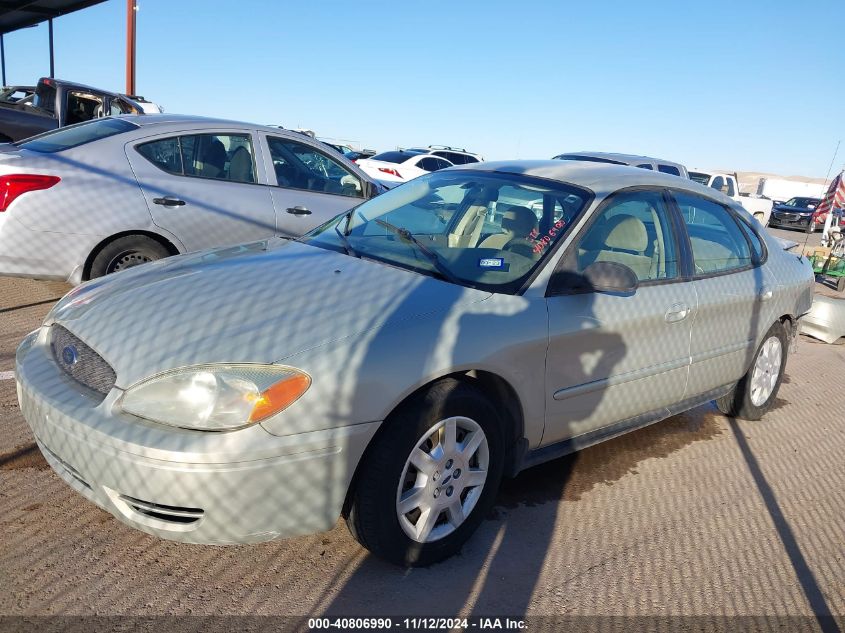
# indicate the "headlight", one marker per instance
pixel 215 397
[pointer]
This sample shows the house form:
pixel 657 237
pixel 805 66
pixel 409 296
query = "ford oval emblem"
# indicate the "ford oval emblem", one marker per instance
pixel 70 355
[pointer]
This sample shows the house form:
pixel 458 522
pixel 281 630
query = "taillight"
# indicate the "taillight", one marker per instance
pixel 15 185
pixel 392 172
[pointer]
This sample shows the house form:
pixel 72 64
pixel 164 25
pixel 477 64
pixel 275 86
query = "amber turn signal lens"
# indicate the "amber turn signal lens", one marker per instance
pixel 279 396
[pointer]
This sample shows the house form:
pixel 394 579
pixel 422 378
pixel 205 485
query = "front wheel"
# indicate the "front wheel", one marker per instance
pixel 757 390
pixel 430 476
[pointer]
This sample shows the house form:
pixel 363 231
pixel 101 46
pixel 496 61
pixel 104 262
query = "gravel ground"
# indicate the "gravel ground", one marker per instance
pixel 698 515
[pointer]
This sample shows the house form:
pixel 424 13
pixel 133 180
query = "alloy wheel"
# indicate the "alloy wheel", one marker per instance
pixel 766 371
pixel 443 479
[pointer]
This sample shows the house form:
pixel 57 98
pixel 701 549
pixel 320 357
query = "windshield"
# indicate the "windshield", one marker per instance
pixel 76 135
pixel 699 177
pixel 803 203
pixel 482 230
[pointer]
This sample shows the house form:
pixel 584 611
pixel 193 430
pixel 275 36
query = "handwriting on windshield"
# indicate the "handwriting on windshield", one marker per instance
pixel 540 243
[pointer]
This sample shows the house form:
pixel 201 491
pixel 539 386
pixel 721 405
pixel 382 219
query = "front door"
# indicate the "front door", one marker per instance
pixel 205 188
pixel 613 357
pixel 311 187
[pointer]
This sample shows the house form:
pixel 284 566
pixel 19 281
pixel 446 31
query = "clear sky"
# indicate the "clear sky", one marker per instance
pixel 744 85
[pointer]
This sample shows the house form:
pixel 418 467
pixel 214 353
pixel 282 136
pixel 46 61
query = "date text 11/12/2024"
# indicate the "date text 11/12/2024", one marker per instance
pixel 417 624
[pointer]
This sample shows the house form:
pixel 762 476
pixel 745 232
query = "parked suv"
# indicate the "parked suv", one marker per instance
pixel 455 155
pixel 644 162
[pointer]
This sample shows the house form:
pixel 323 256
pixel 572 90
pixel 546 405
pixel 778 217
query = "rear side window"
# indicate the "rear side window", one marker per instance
pixel 756 243
pixel 76 135
pixel 216 156
pixel 395 157
pixel 718 243
pixel 669 169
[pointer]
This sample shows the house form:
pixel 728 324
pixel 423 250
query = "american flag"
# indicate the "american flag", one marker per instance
pixel 835 196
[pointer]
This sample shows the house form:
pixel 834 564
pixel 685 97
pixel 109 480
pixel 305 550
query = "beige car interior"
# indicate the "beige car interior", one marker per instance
pixel 625 239
pixel 517 224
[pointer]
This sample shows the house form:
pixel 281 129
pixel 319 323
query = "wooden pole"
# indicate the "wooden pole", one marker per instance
pixel 131 9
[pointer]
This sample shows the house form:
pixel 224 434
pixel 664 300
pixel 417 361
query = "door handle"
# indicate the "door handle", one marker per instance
pixel 298 210
pixel 677 312
pixel 169 201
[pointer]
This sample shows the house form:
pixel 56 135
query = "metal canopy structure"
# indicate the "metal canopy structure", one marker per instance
pixel 20 14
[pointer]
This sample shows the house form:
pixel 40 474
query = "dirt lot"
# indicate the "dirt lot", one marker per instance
pixel 698 515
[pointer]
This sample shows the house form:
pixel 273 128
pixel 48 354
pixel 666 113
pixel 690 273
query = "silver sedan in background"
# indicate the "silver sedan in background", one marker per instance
pixel 397 362
pixel 95 198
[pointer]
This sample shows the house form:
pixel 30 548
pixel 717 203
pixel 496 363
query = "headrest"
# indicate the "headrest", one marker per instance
pixel 519 221
pixel 626 232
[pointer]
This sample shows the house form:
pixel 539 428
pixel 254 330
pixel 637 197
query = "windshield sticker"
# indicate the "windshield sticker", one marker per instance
pixel 493 262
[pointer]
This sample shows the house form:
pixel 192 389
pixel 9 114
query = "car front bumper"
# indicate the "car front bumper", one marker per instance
pixel 790 220
pixel 236 487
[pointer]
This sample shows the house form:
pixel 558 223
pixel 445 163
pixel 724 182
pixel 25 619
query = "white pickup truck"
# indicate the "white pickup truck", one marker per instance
pixel 760 208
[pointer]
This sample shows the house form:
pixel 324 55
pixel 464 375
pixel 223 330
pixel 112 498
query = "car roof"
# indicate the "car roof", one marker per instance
pixel 621 158
pixel 174 122
pixel 601 178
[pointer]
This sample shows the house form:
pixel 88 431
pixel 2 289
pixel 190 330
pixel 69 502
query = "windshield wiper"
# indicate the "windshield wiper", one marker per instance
pixel 345 242
pixel 406 236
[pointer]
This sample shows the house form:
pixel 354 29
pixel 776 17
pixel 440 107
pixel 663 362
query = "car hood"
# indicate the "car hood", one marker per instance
pixel 254 303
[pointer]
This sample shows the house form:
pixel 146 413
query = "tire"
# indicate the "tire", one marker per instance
pixel 840 284
pixel 126 252
pixel 812 227
pixel 747 400
pixel 386 474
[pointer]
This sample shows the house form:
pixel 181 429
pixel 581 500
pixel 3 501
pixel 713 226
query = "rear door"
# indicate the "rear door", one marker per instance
pixel 613 356
pixel 205 187
pixel 733 293
pixel 308 185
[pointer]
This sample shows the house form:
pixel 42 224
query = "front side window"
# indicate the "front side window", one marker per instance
pixel 718 183
pixel 76 135
pixel 215 156
pixel 300 166
pixel 718 243
pixel 633 229
pixel 488 231
pixel 645 166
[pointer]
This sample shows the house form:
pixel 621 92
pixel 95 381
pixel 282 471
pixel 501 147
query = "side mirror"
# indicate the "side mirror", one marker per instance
pixel 611 277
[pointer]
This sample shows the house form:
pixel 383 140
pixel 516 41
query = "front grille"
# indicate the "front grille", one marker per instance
pixel 81 362
pixel 172 514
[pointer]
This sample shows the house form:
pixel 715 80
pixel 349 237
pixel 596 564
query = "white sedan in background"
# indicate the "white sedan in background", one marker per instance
pixel 401 165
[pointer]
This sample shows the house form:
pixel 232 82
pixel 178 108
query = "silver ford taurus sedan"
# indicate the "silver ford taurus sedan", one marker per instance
pixel 99 197
pixel 393 365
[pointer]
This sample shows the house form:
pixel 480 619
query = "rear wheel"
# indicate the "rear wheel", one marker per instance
pixel 430 476
pixel 840 284
pixel 755 392
pixel 126 252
